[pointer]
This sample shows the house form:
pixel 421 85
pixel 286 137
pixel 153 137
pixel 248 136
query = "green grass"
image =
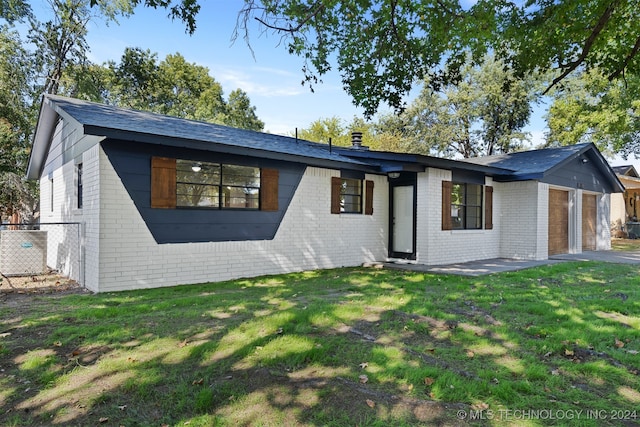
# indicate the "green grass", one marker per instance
pixel 336 347
pixel 625 244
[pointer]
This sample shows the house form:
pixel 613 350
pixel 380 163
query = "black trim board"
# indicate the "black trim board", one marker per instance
pixel 132 163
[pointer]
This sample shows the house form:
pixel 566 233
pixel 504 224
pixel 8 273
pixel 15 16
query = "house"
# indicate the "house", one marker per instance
pixel 625 209
pixel 166 201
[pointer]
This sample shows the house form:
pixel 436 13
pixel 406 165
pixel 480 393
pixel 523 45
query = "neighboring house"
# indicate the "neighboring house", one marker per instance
pixel 166 201
pixel 625 207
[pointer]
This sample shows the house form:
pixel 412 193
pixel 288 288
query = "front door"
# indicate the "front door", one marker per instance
pixel 403 240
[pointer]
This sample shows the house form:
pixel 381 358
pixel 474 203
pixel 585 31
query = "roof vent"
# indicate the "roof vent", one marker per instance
pixel 356 141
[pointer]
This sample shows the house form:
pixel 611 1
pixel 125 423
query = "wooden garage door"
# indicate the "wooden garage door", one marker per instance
pixel 589 215
pixel 558 222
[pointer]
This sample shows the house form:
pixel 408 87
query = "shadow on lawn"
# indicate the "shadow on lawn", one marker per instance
pixel 339 347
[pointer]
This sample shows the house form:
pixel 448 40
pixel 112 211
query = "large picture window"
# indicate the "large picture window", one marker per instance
pixel 466 206
pixel 187 183
pixel 216 185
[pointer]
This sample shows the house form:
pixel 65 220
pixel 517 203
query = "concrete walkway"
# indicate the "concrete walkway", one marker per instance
pixel 499 265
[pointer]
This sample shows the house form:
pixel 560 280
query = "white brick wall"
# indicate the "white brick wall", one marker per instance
pixel 309 237
pixel 436 246
pixel 523 217
pixel 72 262
pixel 121 254
pixel 91 215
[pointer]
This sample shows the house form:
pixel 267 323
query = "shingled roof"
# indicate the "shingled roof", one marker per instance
pixel 130 125
pixel 110 122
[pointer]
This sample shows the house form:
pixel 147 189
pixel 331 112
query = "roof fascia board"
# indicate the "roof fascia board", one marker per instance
pixel 46 124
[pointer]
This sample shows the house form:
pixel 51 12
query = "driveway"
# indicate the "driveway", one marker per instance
pixel 499 265
pixel 617 257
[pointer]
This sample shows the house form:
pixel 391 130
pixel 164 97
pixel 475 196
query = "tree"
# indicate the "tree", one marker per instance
pixel 240 112
pixel 16 118
pixel 133 82
pixel 323 129
pixel 172 86
pixel 382 48
pixel 374 136
pixel 590 109
pixel 184 10
pixel 14 10
pixel 60 43
pixel 483 114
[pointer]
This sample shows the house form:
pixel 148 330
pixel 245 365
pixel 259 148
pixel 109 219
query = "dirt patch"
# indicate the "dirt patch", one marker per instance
pixel 48 283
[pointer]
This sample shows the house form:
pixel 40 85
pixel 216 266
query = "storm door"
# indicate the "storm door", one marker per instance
pixel 403 220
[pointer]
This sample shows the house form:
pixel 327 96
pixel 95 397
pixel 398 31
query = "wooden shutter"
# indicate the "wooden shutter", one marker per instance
pixel 163 182
pixel 368 198
pixel 336 185
pixel 269 189
pixel 488 208
pixel 447 186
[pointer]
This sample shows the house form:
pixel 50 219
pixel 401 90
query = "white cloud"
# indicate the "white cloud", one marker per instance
pixel 258 81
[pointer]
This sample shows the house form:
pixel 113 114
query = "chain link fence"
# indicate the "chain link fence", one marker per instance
pixel 45 248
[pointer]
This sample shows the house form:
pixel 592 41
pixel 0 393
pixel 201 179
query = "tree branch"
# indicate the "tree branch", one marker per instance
pixel 313 13
pixel 630 56
pixel 588 44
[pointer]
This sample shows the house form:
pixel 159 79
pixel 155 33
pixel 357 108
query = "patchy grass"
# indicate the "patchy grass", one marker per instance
pixel 625 244
pixel 556 345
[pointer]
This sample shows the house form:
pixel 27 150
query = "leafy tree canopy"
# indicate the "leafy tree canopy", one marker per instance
pixel 483 114
pixel 172 86
pixel 375 136
pixel 382 47
pixel 592 109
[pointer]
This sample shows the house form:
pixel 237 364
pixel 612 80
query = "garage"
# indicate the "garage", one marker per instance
pixel 589 216
pixel 558 222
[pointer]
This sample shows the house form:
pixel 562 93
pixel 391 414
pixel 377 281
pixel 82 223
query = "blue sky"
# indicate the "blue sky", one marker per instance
pixel 270 75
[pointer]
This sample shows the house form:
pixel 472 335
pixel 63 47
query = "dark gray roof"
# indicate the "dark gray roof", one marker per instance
pixel 118 123
pixel 540 164
pixel 627 170
pixel 534 163
pixel 395 162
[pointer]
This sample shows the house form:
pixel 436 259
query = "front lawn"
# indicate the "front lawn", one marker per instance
pixel 555 345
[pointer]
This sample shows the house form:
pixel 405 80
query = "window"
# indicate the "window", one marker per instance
pixel 346 195
pixel 462 206
pixel 216 185
pixel 351 196
pixel 466 206
pixel 79 184
pixel 185 183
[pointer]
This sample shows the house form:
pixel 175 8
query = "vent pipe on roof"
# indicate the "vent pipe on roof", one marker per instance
pixel 356 141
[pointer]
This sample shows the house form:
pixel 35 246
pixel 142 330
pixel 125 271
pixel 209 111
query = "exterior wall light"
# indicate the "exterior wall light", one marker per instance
pixel 394 175
pixel 196 167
